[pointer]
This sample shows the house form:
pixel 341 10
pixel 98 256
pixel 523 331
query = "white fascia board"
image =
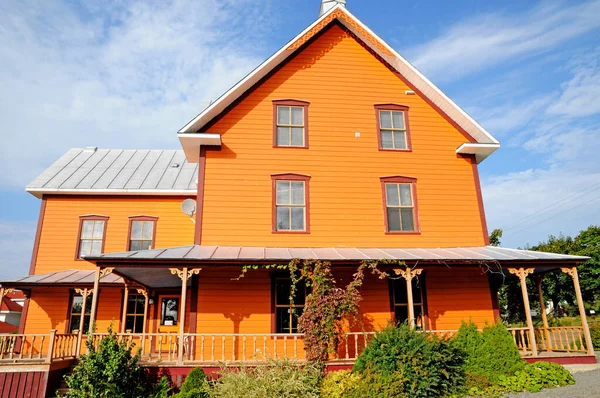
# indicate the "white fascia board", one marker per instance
pixel 38 192
pixel 191 144
pixel 481 151
pixel 247 82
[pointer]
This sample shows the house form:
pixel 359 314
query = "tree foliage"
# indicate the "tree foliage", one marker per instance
pixel 495 237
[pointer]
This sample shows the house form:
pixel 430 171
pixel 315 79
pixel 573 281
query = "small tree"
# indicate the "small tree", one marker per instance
pixel 111 371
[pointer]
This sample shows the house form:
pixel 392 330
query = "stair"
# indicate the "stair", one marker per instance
pixel 63 389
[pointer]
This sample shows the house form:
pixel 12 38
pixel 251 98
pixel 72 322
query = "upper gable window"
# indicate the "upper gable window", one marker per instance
pixel 142 232
pixel 92 233
pixel 290 124
pixel 392 126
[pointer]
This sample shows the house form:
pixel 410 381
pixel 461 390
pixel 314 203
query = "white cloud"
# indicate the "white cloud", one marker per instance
pixel 114 74
pixel 16 243
pixel 488 40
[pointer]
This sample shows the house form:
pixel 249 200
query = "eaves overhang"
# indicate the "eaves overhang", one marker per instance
pixel 481 151
pixel 191 144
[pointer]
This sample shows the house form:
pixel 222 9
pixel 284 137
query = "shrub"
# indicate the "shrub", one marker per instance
pixel 380 385
pixel 595 332
pixel 428 365
pixel 491 353
pixel 339 384
pixel 195 385
pixel 111 371
pixel 281 378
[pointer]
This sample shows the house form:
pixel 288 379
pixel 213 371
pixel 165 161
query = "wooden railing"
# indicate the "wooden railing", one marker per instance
pixel 250 348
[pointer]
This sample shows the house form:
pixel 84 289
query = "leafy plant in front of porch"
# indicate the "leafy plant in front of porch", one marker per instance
pixel 196 385
pixel 111 371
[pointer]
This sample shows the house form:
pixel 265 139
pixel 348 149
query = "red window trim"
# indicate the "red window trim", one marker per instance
pixel 290 177
pixel 142 218
pixel 89 217
pixel 296 103
pixel 393 107
pixel 401 180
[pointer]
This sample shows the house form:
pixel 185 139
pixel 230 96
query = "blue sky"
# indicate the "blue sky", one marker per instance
pixel 120 74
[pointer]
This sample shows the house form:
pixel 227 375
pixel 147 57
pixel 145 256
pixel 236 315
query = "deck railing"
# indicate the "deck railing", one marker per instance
pixel 250 348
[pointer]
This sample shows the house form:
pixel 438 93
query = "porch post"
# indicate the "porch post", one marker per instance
pixel 125 300
pixel 84 293
pixel 144 293
pixel 184 278
pixel 586 330
pixel 408 275
pixel 538 281
pixel 522 274
pixel 94 300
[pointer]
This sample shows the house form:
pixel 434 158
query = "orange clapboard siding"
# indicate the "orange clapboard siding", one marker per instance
pixel 342 81
pixel 48 309
pixel 110 303
pixel 58 240
pixel 456 294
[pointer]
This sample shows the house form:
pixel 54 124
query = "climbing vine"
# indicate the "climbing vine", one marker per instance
pixel 329 309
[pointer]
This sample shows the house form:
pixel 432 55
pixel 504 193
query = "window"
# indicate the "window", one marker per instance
pixel 75 313
pixel 92 232
pixel 134 317
pixel 400 210
pixel 290 203
pixel 169 311
pixel 142 230
pixel 290 124
pixel 392 124
pixel 286 313
pixel 400 301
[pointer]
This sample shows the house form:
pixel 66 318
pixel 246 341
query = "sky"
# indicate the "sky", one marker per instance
pixel 129 74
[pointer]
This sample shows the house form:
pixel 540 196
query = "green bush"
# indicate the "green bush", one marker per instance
pixel 339 384
pixel 380 385
pixel 595 332
pixel 490 353
pixel 281 378
pixel 429 365
pixel 111 371
pixel 196 385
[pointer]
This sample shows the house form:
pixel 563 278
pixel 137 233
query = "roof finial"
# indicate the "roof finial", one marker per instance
pixel 327 5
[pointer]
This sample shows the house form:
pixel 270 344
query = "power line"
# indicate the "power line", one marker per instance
pixel 550 207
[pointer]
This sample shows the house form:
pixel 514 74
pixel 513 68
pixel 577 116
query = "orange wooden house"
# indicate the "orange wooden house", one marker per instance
pixel 335 148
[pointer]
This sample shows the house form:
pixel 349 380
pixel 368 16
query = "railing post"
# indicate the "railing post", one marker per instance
pixel 51 346
pixel 586 329
pixel 522 274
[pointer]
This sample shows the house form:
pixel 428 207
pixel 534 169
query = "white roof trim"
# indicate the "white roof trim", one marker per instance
pixel 191 144
pixel 481 151
pixel 38 192
pixel 416 78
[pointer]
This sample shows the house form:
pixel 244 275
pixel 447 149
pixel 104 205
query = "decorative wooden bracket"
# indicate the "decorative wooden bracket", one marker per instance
pixel 5 291
pixel 570 271
pixel 521 272
pixel 106 271
pixel 84 292
pixel 409 273
pixel 179 272
pixel 143 292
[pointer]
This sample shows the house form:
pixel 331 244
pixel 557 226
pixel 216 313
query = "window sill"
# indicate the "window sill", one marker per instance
pixel 290 146
pixel 292 232
pixel 403 232
pixel 395 150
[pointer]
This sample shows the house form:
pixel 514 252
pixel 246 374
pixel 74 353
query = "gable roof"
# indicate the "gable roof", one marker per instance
pixel 481 137
pixel 118 171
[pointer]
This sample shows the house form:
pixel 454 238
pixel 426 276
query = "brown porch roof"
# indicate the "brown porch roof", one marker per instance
pixel 61 278
pixel 244 254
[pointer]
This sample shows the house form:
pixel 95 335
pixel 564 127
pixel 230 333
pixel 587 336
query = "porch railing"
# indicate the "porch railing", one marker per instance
pixel 217 348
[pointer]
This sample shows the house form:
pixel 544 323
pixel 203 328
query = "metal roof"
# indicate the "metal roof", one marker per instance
pixel 376 44
pixel 197 253
pixel 69 277
pixel 118 171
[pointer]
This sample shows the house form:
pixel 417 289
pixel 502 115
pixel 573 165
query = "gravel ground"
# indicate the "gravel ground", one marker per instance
pixel 587 384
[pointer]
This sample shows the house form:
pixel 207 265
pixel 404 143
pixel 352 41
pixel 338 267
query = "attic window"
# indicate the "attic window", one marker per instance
pixel 290 124
pixel 392 126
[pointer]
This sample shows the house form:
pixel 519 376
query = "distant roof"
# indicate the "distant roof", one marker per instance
pixel 382 49
pixel 118 171
pixel 223 254
pixel 68 278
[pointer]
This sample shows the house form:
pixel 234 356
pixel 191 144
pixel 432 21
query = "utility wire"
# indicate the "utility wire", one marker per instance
pixel 538 213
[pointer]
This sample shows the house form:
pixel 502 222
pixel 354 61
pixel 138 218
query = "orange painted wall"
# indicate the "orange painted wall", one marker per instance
pixel 342 81
pixel 48 309
pixel 456 294
pixel 58 240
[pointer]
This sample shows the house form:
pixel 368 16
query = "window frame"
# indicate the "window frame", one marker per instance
pixel 72 295
pixel 413 190
pixel 135 315
pixel 292 103
pixel 274 306
pixel 424 307
pixel 154 219
pixel 290 177
pixel 90 217
pixel 393 107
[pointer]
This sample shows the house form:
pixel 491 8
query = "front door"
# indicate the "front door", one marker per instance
pixel 168 323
